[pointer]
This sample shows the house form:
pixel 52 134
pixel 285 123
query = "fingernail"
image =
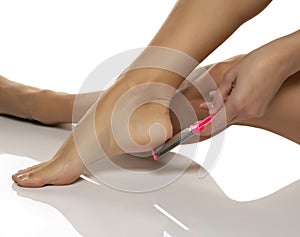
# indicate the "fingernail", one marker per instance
pixel 212 109
pixel 212 93
pixel 23 177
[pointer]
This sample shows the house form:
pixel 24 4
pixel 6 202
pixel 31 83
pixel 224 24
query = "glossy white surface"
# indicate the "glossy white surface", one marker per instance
pixel 55 45
pixel 87 209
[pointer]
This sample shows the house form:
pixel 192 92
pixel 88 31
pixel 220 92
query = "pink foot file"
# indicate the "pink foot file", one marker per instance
pixel 179 138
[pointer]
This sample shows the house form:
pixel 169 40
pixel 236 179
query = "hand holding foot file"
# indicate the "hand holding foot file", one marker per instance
pixel 179 138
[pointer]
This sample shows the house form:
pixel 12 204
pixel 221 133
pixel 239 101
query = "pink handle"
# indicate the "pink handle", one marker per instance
pixel 200 125
pixel 155 157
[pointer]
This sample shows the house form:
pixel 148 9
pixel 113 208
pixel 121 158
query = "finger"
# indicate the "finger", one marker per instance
pixel 221 120
pixel 223 90
pixel 206 105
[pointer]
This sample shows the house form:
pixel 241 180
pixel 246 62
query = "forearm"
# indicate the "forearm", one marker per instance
pixel 196 28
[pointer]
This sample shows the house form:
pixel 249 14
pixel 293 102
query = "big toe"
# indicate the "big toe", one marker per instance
pixel 33 178
pixel 46 174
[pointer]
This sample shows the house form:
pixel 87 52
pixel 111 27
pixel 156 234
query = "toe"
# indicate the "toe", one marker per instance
pixel 42 175
pixel 23 174
pixel 32 168
pixel 30 179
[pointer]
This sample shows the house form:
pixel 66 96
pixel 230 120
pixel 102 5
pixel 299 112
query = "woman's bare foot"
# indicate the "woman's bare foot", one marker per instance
pixel 64 168
pixel 68 164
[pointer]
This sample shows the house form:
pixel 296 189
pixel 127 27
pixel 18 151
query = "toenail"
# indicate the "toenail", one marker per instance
pixel 23 177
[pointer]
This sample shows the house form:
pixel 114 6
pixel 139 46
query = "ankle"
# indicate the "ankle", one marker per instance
pixel 163 65
pixel 148 85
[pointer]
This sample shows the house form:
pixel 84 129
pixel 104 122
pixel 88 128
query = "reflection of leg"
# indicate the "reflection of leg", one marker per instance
pixel 45 106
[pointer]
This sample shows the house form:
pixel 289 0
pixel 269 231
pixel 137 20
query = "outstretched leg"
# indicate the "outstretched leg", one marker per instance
pixel 45 106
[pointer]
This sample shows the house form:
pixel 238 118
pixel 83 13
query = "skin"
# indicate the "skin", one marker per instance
pixel 195 28
pixel 274 120
pixel 249 86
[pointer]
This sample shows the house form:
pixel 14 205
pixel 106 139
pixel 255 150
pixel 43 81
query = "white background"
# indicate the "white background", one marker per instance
pixel 55 44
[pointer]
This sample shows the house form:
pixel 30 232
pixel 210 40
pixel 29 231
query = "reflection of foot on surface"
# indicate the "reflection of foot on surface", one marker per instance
pixel 45 106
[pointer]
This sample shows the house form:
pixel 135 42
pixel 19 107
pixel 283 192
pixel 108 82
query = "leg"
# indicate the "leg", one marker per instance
pixel 45 106
pixel 57 170
pixel 193 38
pixel 283 115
